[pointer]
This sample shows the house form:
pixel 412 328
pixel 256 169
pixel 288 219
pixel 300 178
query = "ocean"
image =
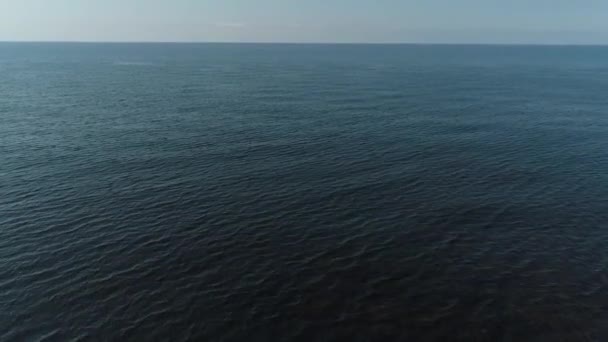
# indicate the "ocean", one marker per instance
pixel 276 192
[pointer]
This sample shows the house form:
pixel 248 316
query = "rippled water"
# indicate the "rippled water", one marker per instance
pixel 303 192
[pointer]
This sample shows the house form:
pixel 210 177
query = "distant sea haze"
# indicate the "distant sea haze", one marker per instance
pixel 261 192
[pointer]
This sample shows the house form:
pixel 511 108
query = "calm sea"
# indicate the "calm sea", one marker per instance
pixel 215 192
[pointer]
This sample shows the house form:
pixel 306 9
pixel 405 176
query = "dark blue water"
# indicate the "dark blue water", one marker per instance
pixel 303 192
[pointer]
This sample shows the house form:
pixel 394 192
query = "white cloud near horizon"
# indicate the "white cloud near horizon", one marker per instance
pixel 231 25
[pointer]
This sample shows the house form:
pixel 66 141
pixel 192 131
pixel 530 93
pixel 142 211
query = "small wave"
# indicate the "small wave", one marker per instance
pixel 126 63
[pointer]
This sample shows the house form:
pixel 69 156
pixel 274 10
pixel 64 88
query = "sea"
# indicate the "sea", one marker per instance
pixel 277 192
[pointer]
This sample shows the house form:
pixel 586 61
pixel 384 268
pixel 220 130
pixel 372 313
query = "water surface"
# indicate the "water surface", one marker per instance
pixel 303 192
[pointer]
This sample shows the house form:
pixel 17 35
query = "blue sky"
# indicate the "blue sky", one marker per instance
pixel 433 21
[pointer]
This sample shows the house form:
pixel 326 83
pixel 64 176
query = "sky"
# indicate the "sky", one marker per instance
pixel 324 21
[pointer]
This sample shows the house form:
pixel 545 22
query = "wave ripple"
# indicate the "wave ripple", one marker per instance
pixel 261 192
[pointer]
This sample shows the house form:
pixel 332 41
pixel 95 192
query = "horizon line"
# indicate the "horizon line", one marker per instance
pixel 296 43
